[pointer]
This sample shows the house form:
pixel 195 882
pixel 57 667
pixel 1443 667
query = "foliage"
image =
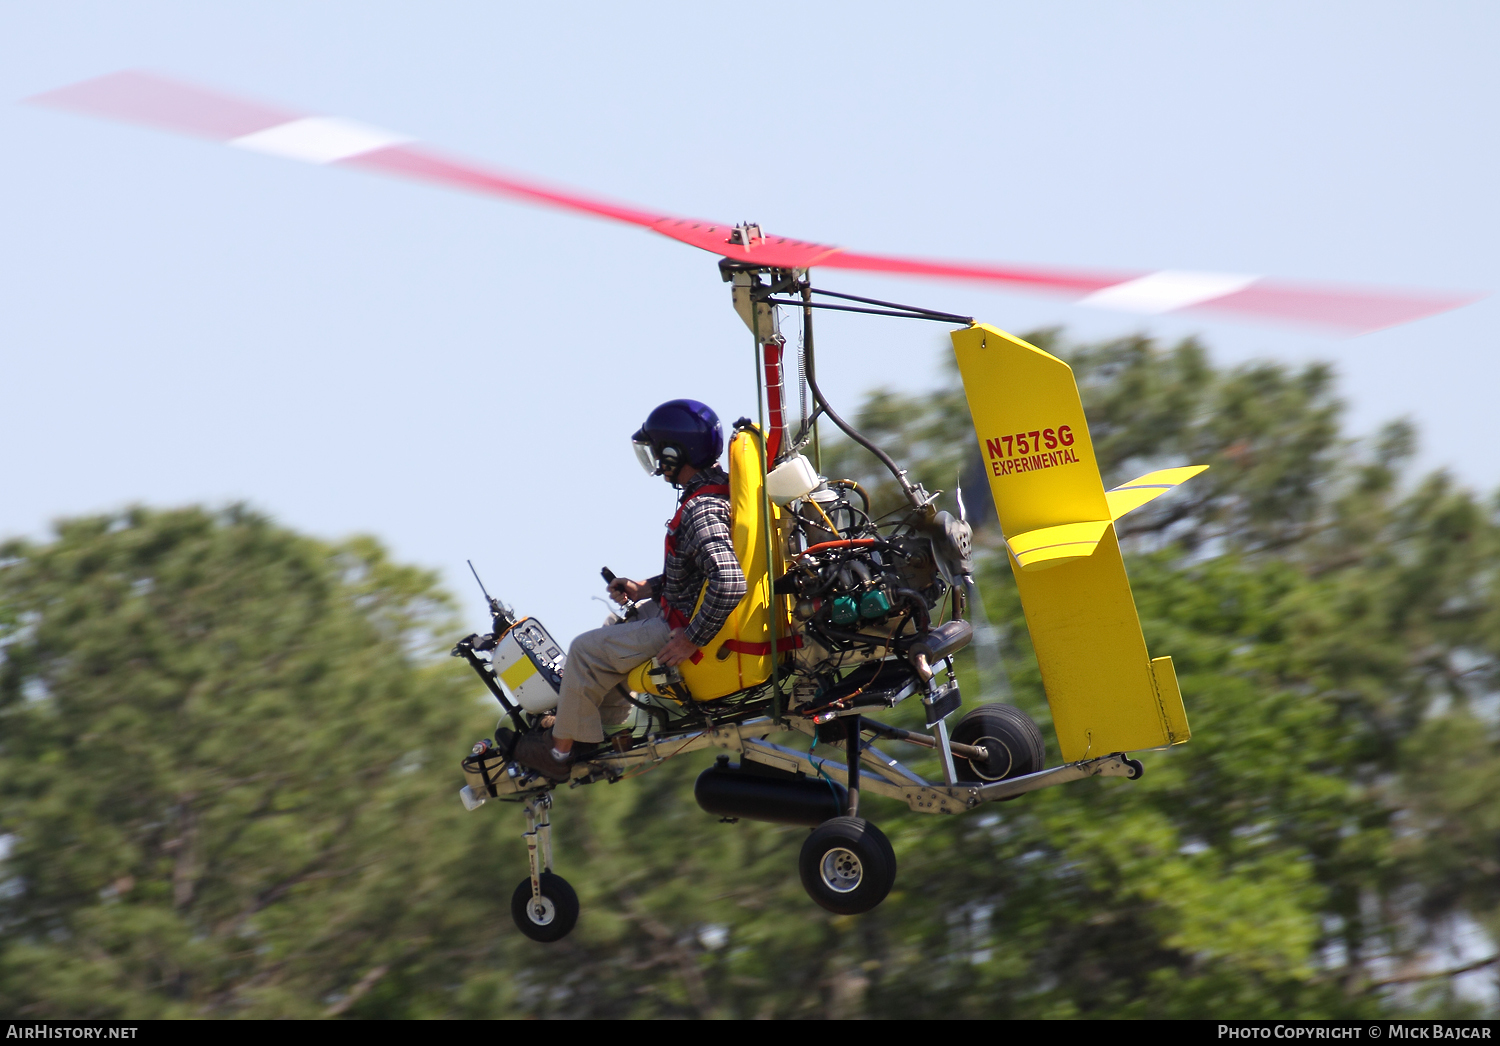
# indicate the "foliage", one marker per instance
pixel 227 768
pixel 216 746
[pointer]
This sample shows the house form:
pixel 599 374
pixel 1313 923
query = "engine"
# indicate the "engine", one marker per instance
pixel 858 585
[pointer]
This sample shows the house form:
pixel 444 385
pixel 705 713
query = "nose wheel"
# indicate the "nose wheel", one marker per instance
pixel 544 906
pixel 548 914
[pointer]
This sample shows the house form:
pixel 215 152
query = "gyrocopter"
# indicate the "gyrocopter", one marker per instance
pixel 846 614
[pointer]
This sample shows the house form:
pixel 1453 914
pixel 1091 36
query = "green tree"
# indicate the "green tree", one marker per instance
pixel 213 760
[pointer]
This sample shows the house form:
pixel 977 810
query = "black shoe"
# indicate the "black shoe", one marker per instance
pixel 534 750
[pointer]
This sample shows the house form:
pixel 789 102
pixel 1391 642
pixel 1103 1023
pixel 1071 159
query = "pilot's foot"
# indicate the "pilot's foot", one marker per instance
pixel 534 750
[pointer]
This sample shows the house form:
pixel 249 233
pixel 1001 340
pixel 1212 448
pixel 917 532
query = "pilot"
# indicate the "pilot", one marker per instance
pixel 681 441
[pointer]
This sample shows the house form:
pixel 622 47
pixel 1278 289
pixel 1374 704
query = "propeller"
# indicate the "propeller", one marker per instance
pixel 145 98
pixel 994 683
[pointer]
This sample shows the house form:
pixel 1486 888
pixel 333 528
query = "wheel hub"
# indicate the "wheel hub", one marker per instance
pixel 841 870
pixel 541 911
pixel 993 745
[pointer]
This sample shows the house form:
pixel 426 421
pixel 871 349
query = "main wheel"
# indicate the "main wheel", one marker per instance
pixel 550 917
pixel 847 865
pixel 1012 739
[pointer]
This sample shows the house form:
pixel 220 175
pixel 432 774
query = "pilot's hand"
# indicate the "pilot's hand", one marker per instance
pixel 622 590
pixel 678 649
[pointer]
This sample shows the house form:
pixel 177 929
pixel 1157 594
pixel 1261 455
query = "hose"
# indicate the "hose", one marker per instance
pixel 907 487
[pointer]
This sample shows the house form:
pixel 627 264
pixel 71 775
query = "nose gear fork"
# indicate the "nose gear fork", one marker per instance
pixel 538 836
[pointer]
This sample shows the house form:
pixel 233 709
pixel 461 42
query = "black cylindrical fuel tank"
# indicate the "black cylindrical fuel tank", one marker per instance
pixel 762 793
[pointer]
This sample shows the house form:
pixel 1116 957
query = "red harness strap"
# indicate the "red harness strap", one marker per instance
pixel 742 646
pixel 675 617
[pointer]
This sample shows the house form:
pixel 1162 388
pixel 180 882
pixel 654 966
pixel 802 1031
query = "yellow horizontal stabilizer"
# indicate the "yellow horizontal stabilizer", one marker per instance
pixel 1049 546
pixel 1128 497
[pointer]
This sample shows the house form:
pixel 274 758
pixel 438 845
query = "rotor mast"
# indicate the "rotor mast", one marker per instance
pixel 754 288
pixel 750 294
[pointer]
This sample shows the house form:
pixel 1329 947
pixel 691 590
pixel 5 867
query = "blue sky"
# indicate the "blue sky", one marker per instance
pixel 181 322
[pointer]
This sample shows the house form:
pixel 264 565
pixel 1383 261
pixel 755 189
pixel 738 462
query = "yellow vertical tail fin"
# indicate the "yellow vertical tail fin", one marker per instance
pixel 1106 693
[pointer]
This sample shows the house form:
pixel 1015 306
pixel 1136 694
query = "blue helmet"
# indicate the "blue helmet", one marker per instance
pixel 679 432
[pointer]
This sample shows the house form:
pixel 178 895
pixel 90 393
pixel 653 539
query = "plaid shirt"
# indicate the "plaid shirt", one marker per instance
pixel 705 552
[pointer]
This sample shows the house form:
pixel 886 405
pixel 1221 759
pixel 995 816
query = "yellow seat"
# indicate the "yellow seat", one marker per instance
pixel 739 657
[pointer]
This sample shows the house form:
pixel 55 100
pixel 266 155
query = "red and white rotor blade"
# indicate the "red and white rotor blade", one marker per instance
pixel 145 98
pixel 1349 309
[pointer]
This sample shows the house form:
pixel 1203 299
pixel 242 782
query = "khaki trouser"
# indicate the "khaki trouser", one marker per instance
pixel 598 663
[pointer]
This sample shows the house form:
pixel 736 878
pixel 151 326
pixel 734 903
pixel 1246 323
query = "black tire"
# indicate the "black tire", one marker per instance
pixel 847 865
pixel 557 914
pixel 1013 740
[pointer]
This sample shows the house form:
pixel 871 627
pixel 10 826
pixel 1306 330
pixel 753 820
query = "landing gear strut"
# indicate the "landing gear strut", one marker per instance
pixel 544 906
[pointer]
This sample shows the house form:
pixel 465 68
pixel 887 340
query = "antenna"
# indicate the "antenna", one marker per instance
pixel 958 492
pixel 487 597
pixel 501 613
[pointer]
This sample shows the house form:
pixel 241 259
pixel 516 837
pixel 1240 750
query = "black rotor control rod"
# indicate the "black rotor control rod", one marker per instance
pixel 896 313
